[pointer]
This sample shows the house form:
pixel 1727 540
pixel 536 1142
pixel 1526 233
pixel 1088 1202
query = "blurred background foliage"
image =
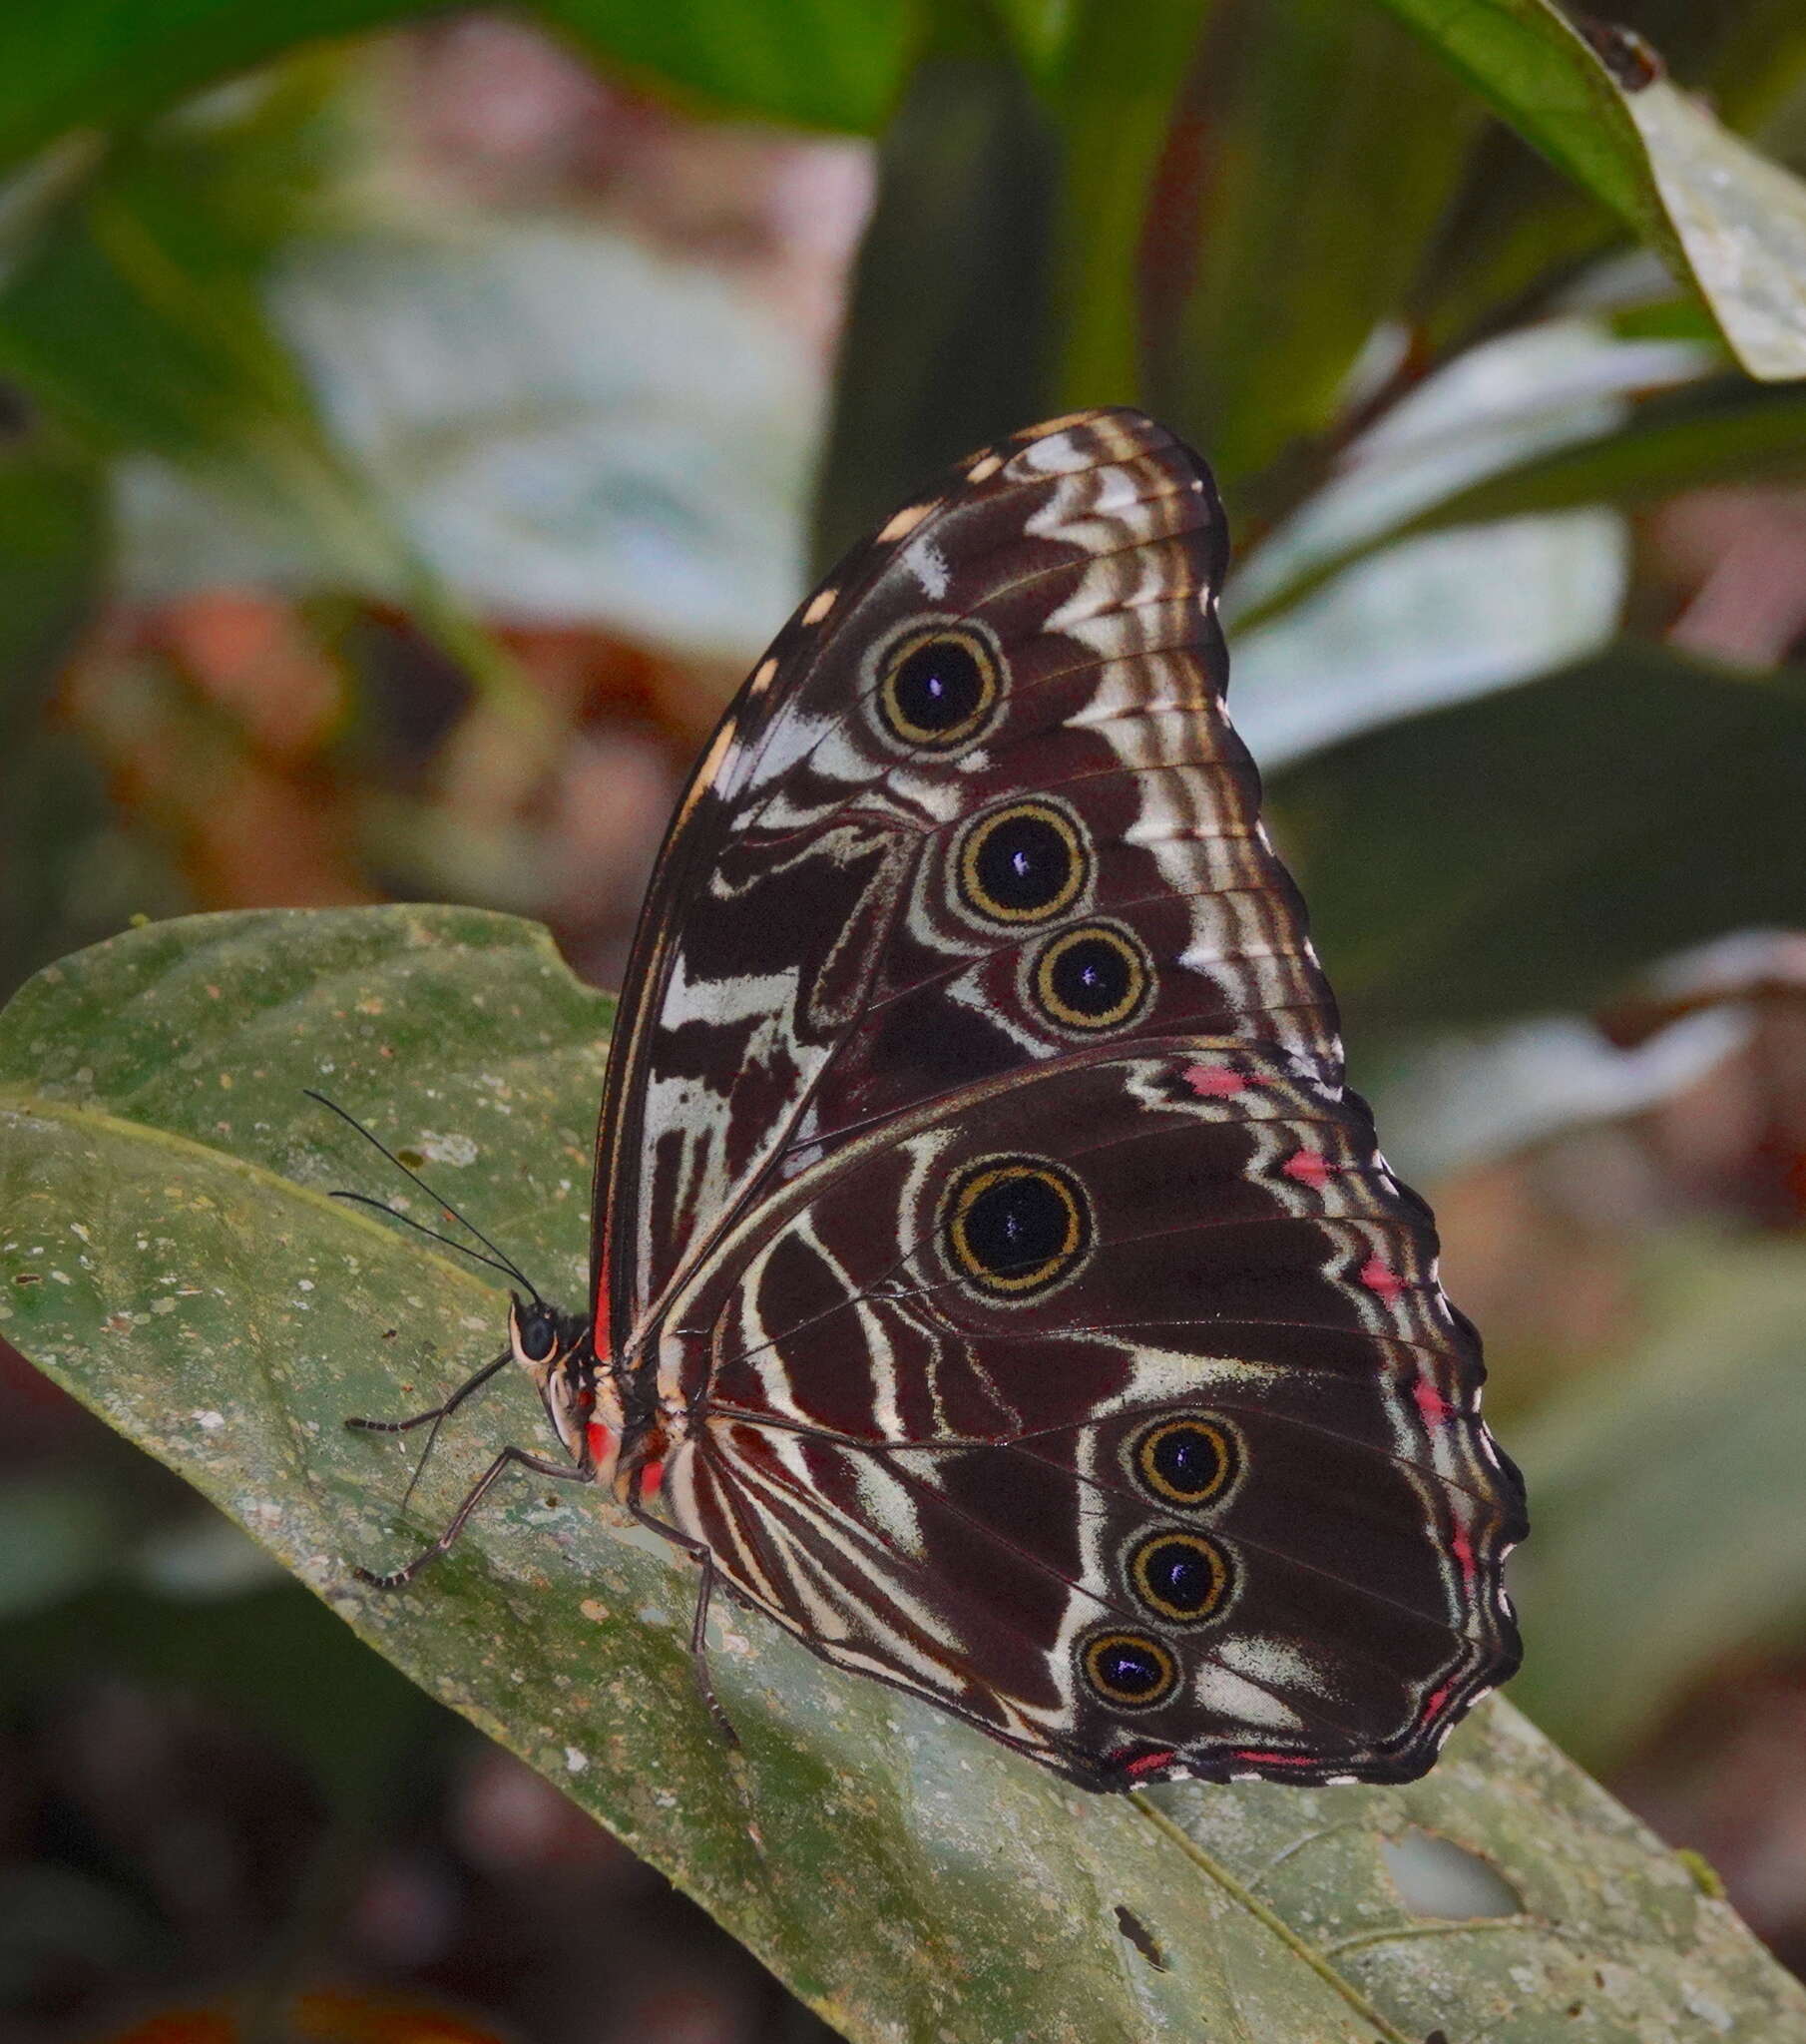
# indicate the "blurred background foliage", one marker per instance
pixel 410 429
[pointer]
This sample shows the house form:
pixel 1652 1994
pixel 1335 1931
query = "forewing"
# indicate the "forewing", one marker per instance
pixel 887 880
pixel 1116 1405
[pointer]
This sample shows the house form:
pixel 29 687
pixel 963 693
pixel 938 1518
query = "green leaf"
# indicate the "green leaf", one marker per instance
pixel 53 559
pixel 1113 96
pixel 184 1274
pixel 1720 214
pixel 1528 851
pixel 136 318
pixel 945 333
pixel 1727 431
pixel 53 534
pixel 1331 146
pixel 1040 31
pixel 570 428
pixel 822 63
pixel 111 63
pixel 1638 1582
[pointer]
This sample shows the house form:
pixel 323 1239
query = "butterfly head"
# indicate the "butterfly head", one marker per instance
pixel 556 1352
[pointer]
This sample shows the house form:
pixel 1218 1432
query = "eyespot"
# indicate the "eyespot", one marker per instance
pixel 1093 977
pixel 1179 1575
pixel 937 688
pixel 1016 1226
pixel 1187 1460
pixel 1129 1670
pixel 1024 863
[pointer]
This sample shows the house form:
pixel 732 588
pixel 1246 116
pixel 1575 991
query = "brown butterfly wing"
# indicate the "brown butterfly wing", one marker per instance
pixel 967 934
pixel 801 966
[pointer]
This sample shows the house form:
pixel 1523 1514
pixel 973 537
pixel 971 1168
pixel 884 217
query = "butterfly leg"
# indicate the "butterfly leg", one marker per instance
pixel 437 1415
pixel 698 1552
pixel 444 1411
pixel 508 1458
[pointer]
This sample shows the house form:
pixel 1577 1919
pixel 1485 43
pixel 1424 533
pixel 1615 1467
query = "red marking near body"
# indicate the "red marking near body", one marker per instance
pixel 1214 1082
pixel 651 1476
pixel 1147 1762
pixel 1310 1168
pixel 1463 1550
pixel 1379 1278
pixel 599 1440
pixel 1430 1402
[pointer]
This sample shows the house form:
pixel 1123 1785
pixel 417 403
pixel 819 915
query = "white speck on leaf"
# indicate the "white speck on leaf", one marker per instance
pixel 209 1421
pixel 575 1760
pixel 459 1149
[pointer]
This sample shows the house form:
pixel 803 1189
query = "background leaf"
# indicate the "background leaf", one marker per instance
pixel 112 61
pixel 1640 1579
pixel 1530 851
pixel 1721 214
pixel 171 1259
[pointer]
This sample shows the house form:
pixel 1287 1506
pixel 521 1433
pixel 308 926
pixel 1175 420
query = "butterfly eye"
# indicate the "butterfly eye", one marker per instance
pixel 537 1336
pixel 1179 1576
pixel 1093 977
pixel 1129 1670
pixel 1186 1461
pixel 1024 863
pixel 937 690
pixel 1017 1226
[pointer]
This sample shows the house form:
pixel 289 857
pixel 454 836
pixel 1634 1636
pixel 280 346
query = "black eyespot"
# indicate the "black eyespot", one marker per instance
pixel 1179 1575
pixel 538 1335
pixel 1093 977
pixel 1016 1226
pixel 1186 1461
pixel 937 688
pixel 1129 1670
pixel 1026 863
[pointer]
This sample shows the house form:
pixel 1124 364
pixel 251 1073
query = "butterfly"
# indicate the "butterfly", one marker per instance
pixel 994 1281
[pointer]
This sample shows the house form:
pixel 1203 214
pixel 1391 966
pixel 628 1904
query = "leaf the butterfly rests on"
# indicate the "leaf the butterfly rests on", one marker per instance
pixel 994 1280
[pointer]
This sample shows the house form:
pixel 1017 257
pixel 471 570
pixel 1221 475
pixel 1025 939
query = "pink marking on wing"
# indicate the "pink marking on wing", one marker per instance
pixel 1214 1082
pixel 1381 1279
pixel 1310 1168
pixel 1430 1402
pixel 1433 1709
pixel 1144 1763
pixel 1272 1760
pixel 1463 1550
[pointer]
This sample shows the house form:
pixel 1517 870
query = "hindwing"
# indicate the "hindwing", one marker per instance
pixel 1141 1354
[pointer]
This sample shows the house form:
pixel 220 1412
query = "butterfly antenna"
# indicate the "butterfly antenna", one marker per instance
pixel 420 1226
pixel 498 1259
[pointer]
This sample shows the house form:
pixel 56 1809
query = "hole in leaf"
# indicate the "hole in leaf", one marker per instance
pixel 1143 1940
pixel 1437 1877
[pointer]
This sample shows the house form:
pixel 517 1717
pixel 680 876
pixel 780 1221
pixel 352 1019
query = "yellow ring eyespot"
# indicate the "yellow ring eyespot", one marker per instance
pixel 1187 1460
pixel 1016 1226
pixel 1132 1670
pixel 1179 1575
pixel 1095 976
pixel 938 687
pixel 1022 864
